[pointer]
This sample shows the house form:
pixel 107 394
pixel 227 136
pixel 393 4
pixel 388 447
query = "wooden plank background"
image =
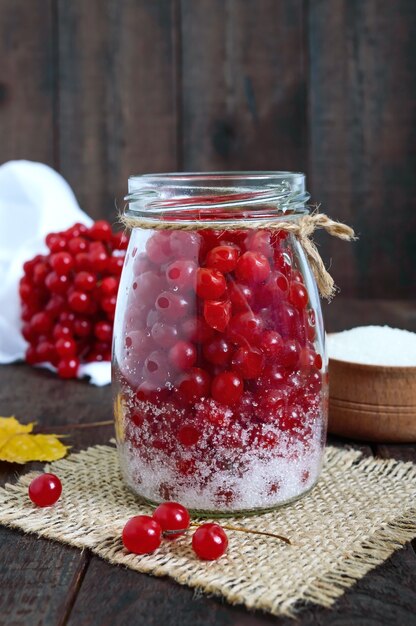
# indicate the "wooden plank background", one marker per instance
pixel 106 88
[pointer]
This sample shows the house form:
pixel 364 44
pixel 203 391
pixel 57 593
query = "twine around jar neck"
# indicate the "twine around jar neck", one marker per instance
pixel 302 228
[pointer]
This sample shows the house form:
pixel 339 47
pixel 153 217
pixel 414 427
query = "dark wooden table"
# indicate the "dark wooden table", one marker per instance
pixel 42 582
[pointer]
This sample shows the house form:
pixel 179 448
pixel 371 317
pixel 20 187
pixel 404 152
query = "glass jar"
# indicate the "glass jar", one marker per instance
pixel 219 352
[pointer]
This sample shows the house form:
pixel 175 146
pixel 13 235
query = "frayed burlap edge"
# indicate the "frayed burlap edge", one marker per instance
pixel 323 590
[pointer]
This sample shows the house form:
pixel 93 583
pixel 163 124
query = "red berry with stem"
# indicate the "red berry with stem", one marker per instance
pixel 172 516
pixel 227 388
pixel 209 542
pixel 45 490
pixel 142 534
pixel 252 267
pixel 210 283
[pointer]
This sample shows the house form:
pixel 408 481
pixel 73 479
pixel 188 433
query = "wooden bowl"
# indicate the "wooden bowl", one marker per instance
pixel 372 402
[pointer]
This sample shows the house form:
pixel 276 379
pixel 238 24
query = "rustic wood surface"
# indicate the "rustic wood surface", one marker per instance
pixel 108 88
pixel 47 583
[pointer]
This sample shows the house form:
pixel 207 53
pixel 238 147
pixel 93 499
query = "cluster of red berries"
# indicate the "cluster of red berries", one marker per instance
pixel 69 297
pixel 143 534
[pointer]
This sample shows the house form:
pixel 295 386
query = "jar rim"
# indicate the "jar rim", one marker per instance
pixel 220 175
pixel 176 193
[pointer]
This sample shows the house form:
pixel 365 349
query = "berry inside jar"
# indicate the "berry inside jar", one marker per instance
pixel 220 370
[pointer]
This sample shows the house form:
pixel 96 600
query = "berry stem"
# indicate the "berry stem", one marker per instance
pixel 234 528
pixel 255 532
pixel 75 426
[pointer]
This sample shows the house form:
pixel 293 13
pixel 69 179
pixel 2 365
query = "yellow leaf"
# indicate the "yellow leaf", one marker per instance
pixel 18 445
pixel 9 426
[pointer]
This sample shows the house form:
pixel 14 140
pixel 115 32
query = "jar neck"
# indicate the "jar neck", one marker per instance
pixel 217 197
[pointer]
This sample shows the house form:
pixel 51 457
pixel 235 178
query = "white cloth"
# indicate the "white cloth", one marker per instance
pixel 34 201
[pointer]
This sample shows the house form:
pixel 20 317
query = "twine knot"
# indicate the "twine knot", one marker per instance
pixel 306 227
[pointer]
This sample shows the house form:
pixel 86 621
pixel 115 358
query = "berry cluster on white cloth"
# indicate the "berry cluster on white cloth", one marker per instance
pixel 34 201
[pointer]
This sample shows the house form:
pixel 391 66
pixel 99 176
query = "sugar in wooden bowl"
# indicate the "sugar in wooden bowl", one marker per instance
pixel 372 384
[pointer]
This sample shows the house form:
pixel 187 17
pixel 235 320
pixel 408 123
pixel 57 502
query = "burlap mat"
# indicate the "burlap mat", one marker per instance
pixel 360 512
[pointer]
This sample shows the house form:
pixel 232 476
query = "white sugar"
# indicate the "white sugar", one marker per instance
pixel 374 345
pixel 266 479
pixel 231 467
